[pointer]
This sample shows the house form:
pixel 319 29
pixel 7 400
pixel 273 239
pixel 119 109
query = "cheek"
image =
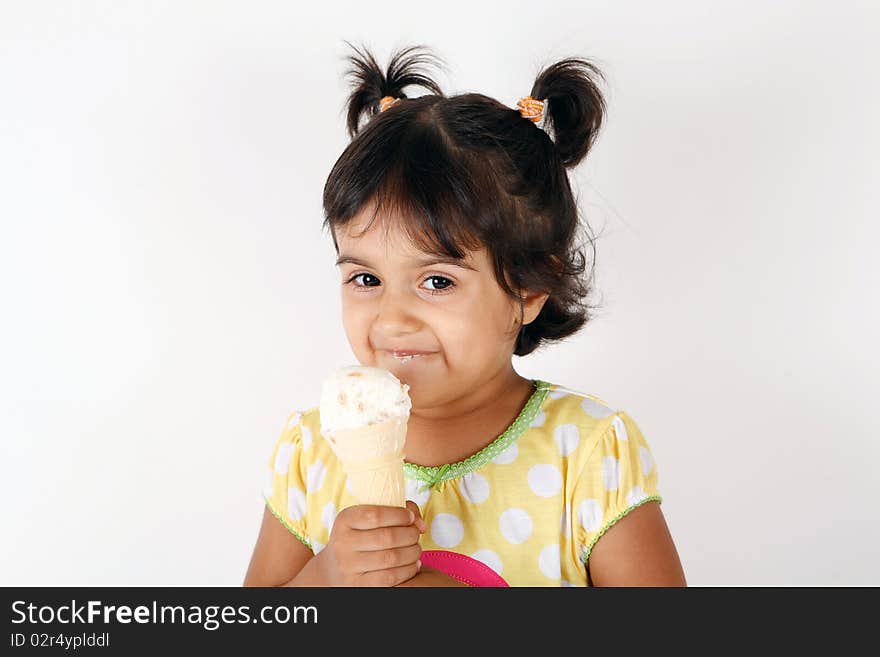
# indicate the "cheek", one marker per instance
pixel 358 335
pixel 355 322
pixel 494 316
pixel 484 327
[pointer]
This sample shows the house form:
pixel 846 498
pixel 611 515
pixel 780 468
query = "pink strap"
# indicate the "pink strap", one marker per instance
pixel 462 567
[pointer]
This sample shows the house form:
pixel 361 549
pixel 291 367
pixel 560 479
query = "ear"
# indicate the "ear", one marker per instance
pixel 532 304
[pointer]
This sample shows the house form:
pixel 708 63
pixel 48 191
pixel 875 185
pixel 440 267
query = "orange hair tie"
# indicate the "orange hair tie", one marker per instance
pixel 386 102
pixel 531 108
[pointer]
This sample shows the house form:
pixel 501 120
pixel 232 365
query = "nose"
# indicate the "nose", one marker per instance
pixel 394 314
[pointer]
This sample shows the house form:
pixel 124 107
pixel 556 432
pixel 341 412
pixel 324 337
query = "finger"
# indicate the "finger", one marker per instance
pixel 391 576
pixel 385 538
pixel 389 559
pixel 419 521
pixel 370 516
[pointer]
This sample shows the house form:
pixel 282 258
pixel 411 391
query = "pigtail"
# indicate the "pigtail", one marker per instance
pixel 371 84
pixel 575 106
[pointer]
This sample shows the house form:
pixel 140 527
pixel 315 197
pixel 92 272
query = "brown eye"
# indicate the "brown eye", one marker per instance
pixel 356 276
pixel 443 284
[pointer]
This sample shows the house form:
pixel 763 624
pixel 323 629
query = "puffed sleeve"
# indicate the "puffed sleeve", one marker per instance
pixel 618 476
pixel 285 489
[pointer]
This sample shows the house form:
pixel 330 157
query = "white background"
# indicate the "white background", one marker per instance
pixel 169 297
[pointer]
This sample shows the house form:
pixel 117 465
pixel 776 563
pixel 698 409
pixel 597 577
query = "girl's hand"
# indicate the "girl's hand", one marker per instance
pixel 370 545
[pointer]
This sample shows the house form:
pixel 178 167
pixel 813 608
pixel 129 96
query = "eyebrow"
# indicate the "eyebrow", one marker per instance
pixel 423 262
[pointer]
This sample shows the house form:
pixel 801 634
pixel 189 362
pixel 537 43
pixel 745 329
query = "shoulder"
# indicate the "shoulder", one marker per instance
pixel 304 428
pixel 297 439
pixel 303 425
pixel 580 421
pixel 566 398
pixel 565 405
pixel 306 423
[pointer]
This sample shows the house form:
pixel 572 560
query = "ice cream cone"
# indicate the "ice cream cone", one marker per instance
pixel 372 457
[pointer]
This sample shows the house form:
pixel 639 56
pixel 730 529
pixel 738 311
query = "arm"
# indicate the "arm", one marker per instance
pixel 636 551
pixel 278 555
pixel 369 546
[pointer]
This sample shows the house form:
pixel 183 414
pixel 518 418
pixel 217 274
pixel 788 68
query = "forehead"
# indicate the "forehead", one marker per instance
pixel 387 239
pixel 384 232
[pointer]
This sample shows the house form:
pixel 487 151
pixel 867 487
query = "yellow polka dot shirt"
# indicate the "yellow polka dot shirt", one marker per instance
pixel 530 505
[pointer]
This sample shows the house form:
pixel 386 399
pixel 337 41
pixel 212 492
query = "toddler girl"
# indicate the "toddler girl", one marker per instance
pixel 455 229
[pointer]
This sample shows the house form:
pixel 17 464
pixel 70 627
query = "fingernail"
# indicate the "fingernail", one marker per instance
pixel 412 517
pixel 419 564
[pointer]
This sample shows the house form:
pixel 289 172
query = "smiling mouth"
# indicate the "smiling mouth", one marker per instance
pixel 405 357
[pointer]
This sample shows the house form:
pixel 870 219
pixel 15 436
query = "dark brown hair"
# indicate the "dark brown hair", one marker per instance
pixel 468 172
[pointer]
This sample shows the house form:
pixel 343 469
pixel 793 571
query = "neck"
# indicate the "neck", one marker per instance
pixel 462 427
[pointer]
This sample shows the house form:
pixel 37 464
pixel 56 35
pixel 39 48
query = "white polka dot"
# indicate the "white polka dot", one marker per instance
pixel 415 493
pixel 447 530
pixel 647 460
pixel 539 419
pixel 548 562
pixel 610 473
pixel 619 428
pixel 489 558
pixel 348 485
pixel 590 513
pixel 516 525
pixel 594 409
pixel 317 546
pixel 269 485
pixel 282 457
pixel 315 475
pixel 507 456
pixel 565 521
pixel 545 479
pixel 294 420
pixel 635 495
pixel 306 436
pixel 567 438
pixel 474 487
pixel 328 516
pixel 296 503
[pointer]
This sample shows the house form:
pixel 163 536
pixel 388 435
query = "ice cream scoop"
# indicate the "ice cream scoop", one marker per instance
pixel 364 411
pixel 359 395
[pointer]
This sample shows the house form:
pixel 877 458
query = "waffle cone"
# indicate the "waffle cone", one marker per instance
pixel 372 457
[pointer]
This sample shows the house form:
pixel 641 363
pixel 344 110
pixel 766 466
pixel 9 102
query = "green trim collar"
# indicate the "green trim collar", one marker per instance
pixel 434 475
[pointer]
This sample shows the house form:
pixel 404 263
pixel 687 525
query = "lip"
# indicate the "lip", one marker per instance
pixel 407 352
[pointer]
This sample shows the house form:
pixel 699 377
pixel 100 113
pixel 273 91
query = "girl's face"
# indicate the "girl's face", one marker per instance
pixel 398 298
